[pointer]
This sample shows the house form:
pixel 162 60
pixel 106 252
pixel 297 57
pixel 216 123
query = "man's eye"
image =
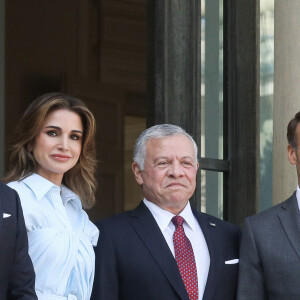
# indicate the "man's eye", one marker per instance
pixel 187 163
pixel 162 164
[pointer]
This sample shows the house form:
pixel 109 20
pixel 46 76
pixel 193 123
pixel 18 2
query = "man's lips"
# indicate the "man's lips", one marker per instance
pixel 175 184
pixel 60 157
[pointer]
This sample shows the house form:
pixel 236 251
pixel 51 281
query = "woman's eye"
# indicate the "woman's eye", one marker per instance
pixel 75 137
pixel 52 133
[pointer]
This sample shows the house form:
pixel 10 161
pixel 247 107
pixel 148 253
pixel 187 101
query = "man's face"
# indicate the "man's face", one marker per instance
pixel 169 175
pixel 294 154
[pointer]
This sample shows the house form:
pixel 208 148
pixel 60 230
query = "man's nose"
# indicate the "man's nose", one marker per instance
pixel 175 170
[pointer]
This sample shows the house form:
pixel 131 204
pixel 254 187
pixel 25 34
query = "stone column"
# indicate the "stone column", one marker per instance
pixel 174 67
pixel 242 95
pixel 286 92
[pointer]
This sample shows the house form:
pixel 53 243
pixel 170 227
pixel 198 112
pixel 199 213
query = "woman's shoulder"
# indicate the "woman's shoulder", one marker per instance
pixel 27 189
pixel 18 186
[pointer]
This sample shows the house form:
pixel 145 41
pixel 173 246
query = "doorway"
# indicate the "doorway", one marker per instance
pixel 94 50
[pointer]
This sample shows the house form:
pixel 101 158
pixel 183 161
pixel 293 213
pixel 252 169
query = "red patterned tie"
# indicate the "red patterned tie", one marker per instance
pixel 184 256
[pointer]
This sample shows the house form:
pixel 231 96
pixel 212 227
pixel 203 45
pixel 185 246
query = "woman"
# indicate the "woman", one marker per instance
pixel 53 164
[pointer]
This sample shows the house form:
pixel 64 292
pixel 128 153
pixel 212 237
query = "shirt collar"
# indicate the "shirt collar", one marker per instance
pixel 40 186
pixel 189 217
pixel 164 217
pixel 298 196
pixel 67 195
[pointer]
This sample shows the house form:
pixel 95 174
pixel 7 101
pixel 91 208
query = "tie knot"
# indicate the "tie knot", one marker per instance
pixel 177 221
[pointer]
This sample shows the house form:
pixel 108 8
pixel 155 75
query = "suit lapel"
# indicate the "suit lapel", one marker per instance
pixel 216 262
pixel 149 232
pixel 290 220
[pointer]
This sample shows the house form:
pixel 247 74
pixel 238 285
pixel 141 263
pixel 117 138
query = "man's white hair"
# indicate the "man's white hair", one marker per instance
pixel 156 132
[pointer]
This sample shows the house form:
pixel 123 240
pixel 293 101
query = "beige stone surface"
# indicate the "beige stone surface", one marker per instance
pixel 286 92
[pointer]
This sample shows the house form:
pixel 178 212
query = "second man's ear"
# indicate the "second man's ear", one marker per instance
pixel 292 155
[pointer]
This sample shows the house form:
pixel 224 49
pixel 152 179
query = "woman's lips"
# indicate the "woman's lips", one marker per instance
pixel 60 157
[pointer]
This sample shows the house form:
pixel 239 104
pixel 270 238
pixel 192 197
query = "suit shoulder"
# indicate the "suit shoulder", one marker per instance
pixel 6 189
pixel 114 220
pixel 219 222
pixel 10 202
pixel 8 196
pixel 274 210
pixel 268 218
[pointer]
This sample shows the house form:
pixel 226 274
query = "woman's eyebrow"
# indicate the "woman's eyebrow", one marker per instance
pixel 58 128
pixel 52 126
pixel 78 131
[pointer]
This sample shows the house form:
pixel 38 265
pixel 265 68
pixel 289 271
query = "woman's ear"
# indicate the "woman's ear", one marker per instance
pixel 29 148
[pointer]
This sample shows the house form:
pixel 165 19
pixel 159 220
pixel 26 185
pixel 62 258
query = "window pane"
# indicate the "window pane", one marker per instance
pixel 212 193
pixel 212 78
pixel 266 101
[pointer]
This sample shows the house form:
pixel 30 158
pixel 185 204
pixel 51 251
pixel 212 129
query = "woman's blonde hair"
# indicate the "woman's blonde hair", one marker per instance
pixel 81 178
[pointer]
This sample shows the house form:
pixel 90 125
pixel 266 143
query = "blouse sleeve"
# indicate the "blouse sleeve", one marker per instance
pixel 92 232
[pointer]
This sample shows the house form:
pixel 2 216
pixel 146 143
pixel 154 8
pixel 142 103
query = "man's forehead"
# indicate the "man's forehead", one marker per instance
pixel 158 157
pixel 169 138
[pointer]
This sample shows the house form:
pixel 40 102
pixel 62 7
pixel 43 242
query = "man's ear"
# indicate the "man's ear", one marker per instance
pixel 292 155
pixel 137 173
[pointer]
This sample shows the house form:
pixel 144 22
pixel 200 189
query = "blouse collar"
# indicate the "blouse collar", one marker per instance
pixel 40 186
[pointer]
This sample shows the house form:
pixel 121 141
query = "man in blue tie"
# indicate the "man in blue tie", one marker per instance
pixel 17 276
pixel 164 249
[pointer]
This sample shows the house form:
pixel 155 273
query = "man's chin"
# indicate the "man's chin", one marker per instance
pixel 178 203
pixel 178 198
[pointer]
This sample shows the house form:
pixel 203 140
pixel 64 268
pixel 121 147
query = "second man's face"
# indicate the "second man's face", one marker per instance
pixel 169 175
pixel 294 153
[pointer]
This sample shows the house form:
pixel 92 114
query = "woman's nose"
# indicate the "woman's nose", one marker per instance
pixel 63 144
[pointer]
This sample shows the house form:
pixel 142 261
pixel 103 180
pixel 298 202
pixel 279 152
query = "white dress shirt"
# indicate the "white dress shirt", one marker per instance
pixel 298 196
pixel 193 232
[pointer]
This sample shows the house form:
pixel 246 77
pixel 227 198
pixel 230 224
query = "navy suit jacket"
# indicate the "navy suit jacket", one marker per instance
pixel 17 276
pixel 134 262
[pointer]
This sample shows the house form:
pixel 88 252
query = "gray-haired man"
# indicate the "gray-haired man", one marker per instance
pixel 164 249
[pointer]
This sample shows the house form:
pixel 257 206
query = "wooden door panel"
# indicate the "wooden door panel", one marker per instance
pixel 106 103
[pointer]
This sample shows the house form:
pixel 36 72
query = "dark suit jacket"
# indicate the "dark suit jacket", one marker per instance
pixel 17 276
pixel 134 262
pixel 270 254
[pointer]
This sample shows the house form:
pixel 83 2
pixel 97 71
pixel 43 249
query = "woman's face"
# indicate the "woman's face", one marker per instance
pixel 57 147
